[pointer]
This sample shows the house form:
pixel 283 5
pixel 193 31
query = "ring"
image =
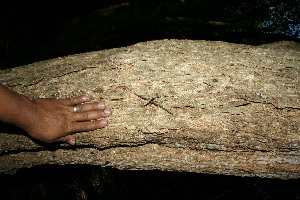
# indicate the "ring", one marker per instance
pixel 75 108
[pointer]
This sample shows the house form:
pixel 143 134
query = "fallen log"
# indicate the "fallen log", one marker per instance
pixel 178 105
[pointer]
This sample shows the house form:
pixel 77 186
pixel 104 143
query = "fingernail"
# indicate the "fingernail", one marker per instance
pixel 72 142
pixel 85 98
pixel 103 122
pixel 101 105
pixel 107 111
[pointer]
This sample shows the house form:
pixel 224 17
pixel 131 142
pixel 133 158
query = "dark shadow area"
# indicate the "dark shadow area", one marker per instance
pixel 37 30
pixel 91 182
pixel 10 129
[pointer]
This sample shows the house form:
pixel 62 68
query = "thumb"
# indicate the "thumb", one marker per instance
pixel 70 139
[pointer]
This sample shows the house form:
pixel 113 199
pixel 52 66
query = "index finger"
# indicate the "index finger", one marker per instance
pixel 75 100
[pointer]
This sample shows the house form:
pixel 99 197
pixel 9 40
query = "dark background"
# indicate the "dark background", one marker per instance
pixel 34 30
pixel 92 182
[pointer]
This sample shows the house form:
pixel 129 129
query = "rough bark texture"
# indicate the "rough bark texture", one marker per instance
pixel 179 105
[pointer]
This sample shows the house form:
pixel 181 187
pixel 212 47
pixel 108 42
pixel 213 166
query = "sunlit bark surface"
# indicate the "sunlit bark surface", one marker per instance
pixel 178 105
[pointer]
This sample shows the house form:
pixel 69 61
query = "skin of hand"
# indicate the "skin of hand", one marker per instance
pixel 52 120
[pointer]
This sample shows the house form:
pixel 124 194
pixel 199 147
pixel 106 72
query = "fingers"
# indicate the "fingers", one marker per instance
pixel 89 107
pixel 85 118
pixel 88 125
pixel 82 126
pixel 75 100
pixel 91 115
pixel 90 111
pixel 70 139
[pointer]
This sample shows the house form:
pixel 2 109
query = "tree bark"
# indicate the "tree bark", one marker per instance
pixel 178 105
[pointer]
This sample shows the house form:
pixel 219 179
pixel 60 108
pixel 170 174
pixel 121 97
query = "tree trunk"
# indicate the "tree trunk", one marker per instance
pixel 178 105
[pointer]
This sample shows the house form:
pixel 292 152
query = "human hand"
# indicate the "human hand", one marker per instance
pixel 54 120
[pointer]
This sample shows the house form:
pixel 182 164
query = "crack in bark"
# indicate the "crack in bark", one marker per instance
pixel 27 85
pixel 151 100
pixel 65 147
pixel 158 140
pixel 36 82
pixel 248 102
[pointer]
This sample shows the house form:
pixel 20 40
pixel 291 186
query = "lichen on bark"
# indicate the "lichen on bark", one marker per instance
pixel 182 105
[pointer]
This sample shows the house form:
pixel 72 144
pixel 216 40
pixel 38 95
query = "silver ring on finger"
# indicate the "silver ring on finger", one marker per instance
pixel 75 108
